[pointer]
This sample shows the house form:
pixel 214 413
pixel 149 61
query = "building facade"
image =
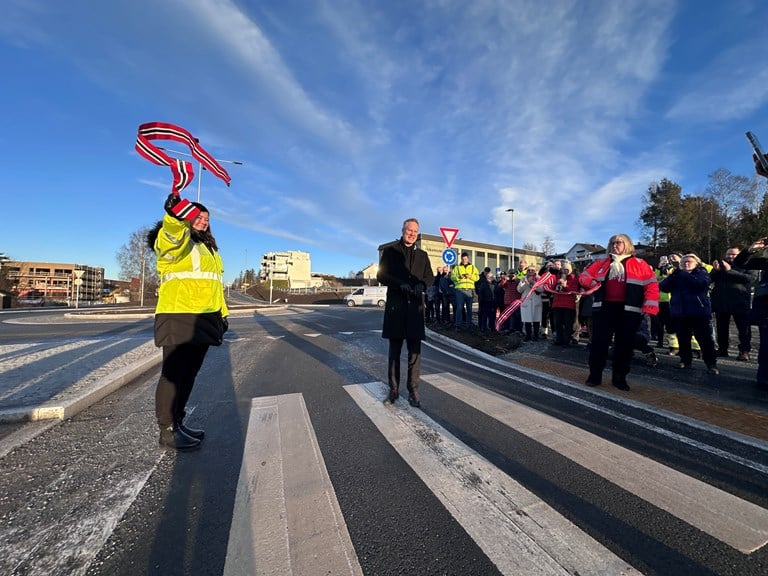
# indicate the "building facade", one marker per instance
pixel 294 268
pixel 37 283
pixel 497 258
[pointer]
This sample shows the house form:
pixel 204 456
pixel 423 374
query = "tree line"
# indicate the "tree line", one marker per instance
pixel 731 211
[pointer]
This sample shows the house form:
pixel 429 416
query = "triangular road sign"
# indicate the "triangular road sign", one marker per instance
pixel 449 235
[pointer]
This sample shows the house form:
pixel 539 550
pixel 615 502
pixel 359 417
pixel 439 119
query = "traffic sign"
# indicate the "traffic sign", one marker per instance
pixel 449 257
pixel 449 235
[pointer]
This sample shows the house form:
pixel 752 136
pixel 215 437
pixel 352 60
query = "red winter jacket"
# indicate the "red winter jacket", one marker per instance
pixel 642 286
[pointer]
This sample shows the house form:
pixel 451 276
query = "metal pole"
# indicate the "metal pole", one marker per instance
pixel 513 266
pixel 200 165
pixel 141 301
pixel 199 179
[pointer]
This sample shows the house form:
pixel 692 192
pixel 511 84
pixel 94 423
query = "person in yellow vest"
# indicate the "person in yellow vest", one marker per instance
pixel 191 314
pixel 464 276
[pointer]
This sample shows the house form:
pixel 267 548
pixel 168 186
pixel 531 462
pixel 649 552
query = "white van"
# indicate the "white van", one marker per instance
pixel 371 295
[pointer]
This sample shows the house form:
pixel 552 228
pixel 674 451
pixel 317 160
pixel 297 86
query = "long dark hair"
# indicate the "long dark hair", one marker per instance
pixel 196 235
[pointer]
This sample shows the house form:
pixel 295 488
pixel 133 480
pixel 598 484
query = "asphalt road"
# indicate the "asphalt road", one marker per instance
pixel 506 469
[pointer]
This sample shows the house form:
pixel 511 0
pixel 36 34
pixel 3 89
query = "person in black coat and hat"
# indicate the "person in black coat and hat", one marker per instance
pixel 406 272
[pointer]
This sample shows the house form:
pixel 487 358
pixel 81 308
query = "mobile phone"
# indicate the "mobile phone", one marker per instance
pixel 758 150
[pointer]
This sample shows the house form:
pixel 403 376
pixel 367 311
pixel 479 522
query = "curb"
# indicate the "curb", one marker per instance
pixel 57 409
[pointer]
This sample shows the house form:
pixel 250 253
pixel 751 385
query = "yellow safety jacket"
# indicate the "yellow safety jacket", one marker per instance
pixel 465 283
pixel 191 275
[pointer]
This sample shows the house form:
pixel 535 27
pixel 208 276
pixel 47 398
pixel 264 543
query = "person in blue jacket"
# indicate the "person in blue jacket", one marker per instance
pixel 691 310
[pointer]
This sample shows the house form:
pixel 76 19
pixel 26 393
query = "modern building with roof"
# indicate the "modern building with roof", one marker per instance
pixel 497 258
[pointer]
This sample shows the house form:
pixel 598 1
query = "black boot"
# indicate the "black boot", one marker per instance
pixel 391 397
pixel 172 437
pixel 191 432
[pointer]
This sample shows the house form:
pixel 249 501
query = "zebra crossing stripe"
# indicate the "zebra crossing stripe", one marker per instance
pixel 518 532
pixel 286 518
pixel 740 524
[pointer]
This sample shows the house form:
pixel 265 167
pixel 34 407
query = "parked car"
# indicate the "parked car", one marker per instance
pixel 367 295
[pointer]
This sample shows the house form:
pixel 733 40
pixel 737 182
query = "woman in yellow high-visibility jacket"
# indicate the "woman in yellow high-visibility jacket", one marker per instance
pixel 191 314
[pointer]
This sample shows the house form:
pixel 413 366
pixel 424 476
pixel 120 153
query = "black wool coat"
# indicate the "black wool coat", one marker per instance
pixel 731 293
pixel 404 313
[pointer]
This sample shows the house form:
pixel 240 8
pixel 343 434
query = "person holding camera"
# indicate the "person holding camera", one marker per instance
pixel 731 298
pixel 406 272
pixel 756 258
pixel 691 310
pixel 464 276
pixel 564 304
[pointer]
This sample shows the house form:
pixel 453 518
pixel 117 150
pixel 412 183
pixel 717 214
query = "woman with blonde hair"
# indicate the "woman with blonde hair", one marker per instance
pixel 691 310
pixel 627 289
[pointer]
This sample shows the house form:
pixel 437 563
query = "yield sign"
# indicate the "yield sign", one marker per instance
pixel 449 235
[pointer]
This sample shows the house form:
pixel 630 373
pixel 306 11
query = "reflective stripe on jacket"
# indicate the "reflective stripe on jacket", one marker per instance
pixel 642 287
pixel 465 283
pixel 191 275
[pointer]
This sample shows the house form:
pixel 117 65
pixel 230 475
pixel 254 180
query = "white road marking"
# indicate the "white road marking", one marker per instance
pixel 730 519
pixel 507 367
pixel 286 518
pixel 312 335
pixel 519 532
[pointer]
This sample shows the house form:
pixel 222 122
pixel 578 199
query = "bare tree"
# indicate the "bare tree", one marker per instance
pixel 137 260
pixel 548 246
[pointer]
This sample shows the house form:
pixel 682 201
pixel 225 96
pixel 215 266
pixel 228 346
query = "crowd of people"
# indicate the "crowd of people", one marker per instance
pixel 619 305
pixel 621 302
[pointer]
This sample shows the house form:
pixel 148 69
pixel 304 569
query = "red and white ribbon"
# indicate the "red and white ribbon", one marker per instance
pixel 181 169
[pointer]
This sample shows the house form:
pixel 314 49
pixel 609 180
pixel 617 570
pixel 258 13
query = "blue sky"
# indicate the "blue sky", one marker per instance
pixel 351 116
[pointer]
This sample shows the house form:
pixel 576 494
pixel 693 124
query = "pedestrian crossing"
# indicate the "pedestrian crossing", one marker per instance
pixel 518 531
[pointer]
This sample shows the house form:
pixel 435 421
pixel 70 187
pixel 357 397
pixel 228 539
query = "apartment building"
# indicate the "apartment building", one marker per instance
pixel 36 283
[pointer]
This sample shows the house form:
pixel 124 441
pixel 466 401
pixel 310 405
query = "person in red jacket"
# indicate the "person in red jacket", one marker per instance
pixel 627 289
pixel 564 304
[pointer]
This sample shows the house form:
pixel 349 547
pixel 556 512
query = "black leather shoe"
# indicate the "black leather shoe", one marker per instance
pixel 191 432
pixel 593 380
pixel 391 397
pixel 172 437
pixel 620 383
pixel 413 400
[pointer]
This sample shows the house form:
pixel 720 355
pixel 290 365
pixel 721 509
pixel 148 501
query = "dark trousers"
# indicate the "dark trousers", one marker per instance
pixel 177 377
pixel 762 354
pixel 612 323
pixel 563 318
pixel 723 320
pixel 429 310
pixel 447 305
pixel 438 304
pixel 546 308
pixel 486 315
pixel 701 327
pixel 414 363
pixel 664 323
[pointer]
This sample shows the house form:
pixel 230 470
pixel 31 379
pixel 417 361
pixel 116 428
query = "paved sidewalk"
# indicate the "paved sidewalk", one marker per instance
pixel 55 380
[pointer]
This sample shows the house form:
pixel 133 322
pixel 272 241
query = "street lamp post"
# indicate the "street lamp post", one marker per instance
pixel 200 166
pixel 514 266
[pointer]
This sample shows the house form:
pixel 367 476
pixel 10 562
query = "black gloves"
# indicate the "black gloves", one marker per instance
pixel 405 288
pixel 225 323
pixel 419 289
pixel 181 208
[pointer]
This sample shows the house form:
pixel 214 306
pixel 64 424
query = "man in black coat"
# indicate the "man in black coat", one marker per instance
pixel 406 272
pixel 731 297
